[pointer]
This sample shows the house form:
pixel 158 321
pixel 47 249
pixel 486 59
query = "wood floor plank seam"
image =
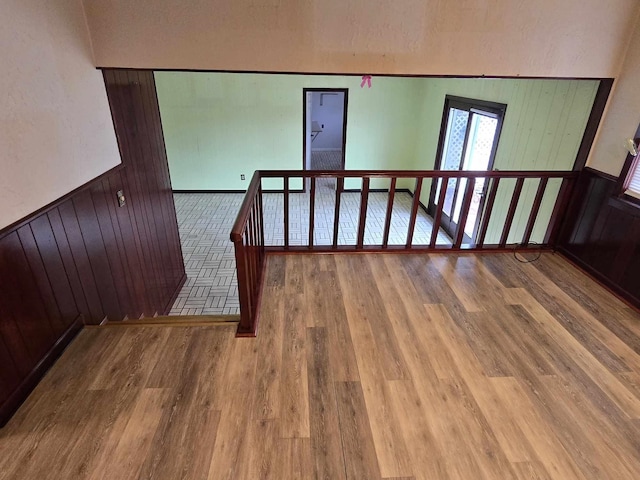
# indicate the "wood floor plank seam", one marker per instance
pixel 421 367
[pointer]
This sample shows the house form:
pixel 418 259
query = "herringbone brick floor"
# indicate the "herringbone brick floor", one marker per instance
pixel 205 221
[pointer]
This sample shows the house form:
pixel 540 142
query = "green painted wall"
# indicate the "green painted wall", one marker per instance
pixel 218 126
pixel 542 130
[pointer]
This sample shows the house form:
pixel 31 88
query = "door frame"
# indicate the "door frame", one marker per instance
pixel 344 121
pixel 468 104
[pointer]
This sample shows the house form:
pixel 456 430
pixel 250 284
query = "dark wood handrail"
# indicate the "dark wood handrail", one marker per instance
pixel 416 174
pixel 240 224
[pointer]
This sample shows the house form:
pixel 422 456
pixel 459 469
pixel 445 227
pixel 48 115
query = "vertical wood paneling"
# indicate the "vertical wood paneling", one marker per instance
pixel 80 255
pixel 55 272
pixel 113 254
pixel 630 278
pixel 98 259
pixel 164 208
pixel 133 123
pixel 12 336
pixel 86 257
pixel 604 237
pixel 130 179
pixel 67 258
pixel 24 300
pixel 121 222
pixel 41 277
pixel 9 375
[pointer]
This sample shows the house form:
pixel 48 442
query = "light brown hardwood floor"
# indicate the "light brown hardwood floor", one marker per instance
pixel 366 366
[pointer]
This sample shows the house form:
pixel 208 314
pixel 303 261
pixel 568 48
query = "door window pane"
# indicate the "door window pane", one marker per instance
pixel 477 157
pixel 452 153
pixel 454 143
pixel 481 135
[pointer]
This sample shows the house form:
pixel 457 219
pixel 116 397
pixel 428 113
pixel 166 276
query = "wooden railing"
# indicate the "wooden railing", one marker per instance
pixel 248 241
pixel 248 233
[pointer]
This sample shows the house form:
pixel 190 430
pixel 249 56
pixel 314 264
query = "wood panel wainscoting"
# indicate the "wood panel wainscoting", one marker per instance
pixel 602 234
pixel 83 258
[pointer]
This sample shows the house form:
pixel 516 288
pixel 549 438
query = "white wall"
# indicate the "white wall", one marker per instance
pixel 568 38
pixel 622 116
pixel 328 111
pixel 55 126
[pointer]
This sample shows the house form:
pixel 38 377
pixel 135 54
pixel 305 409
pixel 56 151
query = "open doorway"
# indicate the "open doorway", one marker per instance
pixel 325 129
pixel 469 138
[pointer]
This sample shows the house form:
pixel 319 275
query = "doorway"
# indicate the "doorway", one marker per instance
pixel 469 138
pixel 325 130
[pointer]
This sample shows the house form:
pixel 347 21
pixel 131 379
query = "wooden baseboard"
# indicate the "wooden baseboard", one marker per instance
pixel 20 394
pixel 294 190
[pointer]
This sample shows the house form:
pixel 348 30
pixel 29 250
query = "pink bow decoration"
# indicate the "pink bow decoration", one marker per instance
pixel 366 80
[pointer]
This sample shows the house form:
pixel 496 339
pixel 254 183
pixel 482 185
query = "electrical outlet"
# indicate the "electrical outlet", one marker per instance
pixel 121 199
pixel 242 176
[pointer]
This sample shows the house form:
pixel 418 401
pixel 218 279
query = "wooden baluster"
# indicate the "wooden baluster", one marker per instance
pixel 387 220
pixel 464 213
pixel 336 215
pixel 511 212
pixel 250 280
pixel 414 211
pixel 286 212
pixel 534 211
pixel 256 236
pixel 251 262
pixel 438 218
pixel 364 202
pixel 559 209
pixel 261 216
pixel 486 215
pixel 261 229
pixel 246 324
pixel 312 210
pixel 254 222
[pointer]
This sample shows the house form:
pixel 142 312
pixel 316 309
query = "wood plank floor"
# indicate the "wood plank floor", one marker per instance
pixel 366 366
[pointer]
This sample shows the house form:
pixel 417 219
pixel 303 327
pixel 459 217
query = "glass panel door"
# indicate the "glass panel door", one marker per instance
pixel 453 151
pixel 477 157
pixel 469 143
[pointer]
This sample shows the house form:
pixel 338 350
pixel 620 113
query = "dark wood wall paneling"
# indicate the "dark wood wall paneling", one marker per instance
pixel 603 236
pixel 83 258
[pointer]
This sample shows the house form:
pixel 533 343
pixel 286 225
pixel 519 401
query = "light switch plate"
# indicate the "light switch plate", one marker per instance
pixel 121 199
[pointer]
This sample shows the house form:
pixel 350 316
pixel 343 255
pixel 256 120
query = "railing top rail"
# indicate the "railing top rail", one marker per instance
pixel 243 215
pixel 418 173
pixel 245 209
